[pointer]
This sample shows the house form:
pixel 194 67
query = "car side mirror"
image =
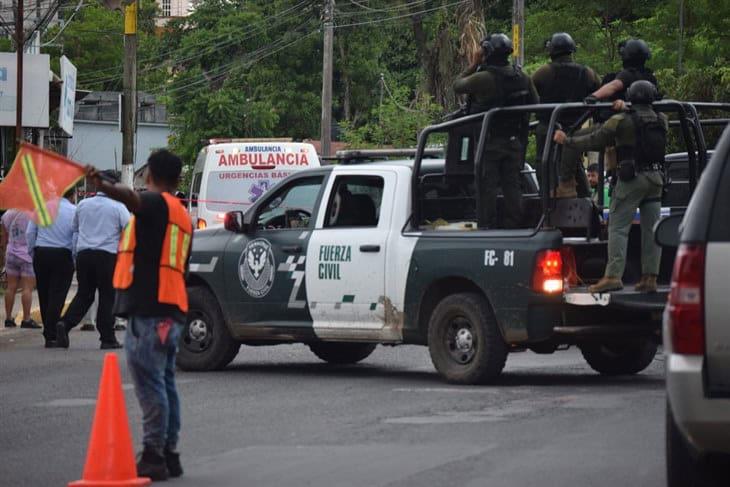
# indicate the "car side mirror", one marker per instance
pixel 233 222
pixel 667 231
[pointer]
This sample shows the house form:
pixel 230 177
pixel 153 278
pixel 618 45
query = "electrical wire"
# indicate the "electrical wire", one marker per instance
pixel 397 17
pixel 66 23
pixel 185 48
pixel 208 50
pixel 371 10
pixel 221 70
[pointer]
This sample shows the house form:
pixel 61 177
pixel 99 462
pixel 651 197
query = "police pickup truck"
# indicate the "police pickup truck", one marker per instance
pixel 346 257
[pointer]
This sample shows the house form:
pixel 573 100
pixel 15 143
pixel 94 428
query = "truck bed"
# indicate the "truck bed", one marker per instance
pixel 627 298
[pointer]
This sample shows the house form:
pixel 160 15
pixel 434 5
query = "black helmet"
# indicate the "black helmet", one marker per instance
pixel 634 50
pixel 498 45
pixel 560 43
pixel 642 92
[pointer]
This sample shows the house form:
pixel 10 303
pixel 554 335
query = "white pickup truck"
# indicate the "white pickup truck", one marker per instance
pixel 346 257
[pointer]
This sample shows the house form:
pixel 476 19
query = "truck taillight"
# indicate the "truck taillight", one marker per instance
pixel 201 224
pixel 548 274
pixel 686 301
pixel 570 269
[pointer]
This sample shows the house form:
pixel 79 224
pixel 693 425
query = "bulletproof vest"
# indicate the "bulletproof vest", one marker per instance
pixel 513 88
pixel 650 136
pixel 569 84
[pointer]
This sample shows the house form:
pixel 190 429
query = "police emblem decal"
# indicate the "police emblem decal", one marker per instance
pixel 256 268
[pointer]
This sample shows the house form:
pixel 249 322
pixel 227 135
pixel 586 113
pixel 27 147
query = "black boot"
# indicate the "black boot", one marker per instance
pixel 152 464
pixel 61 335
pixel 174 467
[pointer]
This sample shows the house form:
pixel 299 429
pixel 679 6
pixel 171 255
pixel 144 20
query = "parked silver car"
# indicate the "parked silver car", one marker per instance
pixel 697 332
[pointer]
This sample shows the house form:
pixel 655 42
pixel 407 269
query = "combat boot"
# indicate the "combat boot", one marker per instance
pixel 647 284
pixel 566 189
pixel 606 284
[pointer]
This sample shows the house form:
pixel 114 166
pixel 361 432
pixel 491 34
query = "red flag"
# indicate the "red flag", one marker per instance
pixel 37 181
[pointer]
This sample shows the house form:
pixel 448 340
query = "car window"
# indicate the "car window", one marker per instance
pixel 355 202
pixel 290 207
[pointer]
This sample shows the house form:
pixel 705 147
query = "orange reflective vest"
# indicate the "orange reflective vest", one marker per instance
pixel 171 288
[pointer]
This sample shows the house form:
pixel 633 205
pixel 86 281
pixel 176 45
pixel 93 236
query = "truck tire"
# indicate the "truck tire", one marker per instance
pixel 464 340
pixel 341 353
pixel 619 358
pixel 205 343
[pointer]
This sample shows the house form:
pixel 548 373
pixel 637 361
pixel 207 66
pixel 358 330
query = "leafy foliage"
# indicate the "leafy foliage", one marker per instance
pixel 252 68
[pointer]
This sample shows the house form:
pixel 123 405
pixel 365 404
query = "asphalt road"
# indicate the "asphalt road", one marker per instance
pixel 279 417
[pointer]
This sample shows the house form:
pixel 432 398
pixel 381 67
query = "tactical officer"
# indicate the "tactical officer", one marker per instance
pixel 563 80
pixel 634 54
pixel 640 137
pixel 490 81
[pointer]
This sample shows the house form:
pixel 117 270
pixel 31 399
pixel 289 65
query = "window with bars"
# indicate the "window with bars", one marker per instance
pixel 166 7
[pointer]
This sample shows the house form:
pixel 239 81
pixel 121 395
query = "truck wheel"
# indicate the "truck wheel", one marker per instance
pixel 619 358
pixel 342 353
pixel 464 340
pixel 205 343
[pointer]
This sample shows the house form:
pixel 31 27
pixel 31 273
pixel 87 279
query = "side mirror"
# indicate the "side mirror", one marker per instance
pixel 667 231
pixel 233 222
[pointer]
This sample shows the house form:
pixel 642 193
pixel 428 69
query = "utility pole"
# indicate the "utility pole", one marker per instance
pixel 19 46
pixel 680 47
pixel 129 95
pixel 326 127
pixel 518 31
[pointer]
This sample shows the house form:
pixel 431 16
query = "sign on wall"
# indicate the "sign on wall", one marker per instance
pixel 36 72
pixel 68 96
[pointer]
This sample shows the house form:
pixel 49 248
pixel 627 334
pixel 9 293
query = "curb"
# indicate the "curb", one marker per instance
pixel 35 315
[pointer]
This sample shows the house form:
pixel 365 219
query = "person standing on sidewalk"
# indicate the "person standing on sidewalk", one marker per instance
pixel 18 267
pixel 52 250
pixel 150 280
pixel 99 222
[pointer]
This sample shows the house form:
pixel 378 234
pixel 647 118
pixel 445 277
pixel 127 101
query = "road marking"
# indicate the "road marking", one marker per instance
pixel 64 403
pixel 446 390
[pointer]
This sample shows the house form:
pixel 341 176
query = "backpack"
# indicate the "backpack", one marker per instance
pixel 651 141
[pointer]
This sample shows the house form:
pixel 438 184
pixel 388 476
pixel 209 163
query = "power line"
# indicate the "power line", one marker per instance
pixel 371 10
pixel 410 14
pixel 223 69
pixel 185 48
pixel 197 54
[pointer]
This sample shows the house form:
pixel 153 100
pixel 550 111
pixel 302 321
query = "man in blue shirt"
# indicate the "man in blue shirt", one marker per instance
pixel 52 249
pixel 99 222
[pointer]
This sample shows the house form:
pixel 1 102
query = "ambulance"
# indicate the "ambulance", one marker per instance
pixel 231 174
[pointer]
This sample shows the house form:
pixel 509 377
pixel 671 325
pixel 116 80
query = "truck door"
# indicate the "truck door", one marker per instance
pixel 265 267
pixel 347 254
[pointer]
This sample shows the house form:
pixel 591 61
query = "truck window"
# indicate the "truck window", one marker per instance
pixel 195 189
pixel 355 202
pixel 291 206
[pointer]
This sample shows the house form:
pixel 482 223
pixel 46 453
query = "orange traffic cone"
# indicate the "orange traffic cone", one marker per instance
pixel 110 458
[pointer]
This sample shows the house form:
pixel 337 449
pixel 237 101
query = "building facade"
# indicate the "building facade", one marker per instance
pixel 171 9
pixel 97 137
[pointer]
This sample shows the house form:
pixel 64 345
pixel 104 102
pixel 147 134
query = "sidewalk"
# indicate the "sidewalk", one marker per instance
pixel 35 311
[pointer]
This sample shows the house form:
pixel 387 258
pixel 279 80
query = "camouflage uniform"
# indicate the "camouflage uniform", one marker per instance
pixel 562 81
pixel 643 192
pixel 488 87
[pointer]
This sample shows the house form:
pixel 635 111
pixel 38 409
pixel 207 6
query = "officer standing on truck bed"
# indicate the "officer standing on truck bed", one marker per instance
pixel 490 81
pixel 561 81
pixel 640 137
pixel 634 54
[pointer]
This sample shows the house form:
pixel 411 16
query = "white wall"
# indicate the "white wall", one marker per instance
pixel 97 143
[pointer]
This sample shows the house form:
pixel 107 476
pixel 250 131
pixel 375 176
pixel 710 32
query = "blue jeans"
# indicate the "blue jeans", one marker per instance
pixel 152 366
